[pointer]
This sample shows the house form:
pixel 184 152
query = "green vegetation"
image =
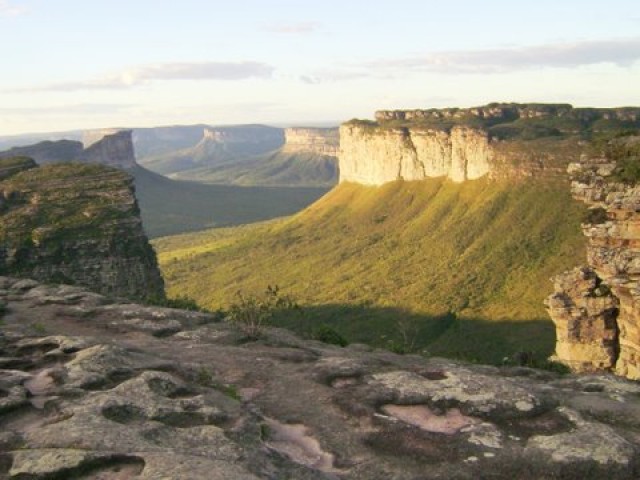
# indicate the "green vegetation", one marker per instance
pixel 61 201
pixel 170 207
pixel 448 269
pixel 542 121
pixel 626 153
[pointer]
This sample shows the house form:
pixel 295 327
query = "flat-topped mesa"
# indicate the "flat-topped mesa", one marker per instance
pixel 318 141
pixel 497 140
pixel 510 112
pixel 77 224
pixel 114 148
pixel 596 308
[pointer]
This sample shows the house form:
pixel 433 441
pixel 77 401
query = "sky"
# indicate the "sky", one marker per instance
pixel 78 64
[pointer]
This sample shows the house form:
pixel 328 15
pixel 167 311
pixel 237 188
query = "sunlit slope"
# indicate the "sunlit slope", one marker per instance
pixel 363 258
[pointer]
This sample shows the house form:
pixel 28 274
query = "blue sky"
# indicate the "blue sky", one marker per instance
pixel 69 64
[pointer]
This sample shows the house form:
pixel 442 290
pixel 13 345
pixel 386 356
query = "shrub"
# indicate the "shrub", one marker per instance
pixel 181 302
pixel 251 312
pixel 326 334
pixel 596 216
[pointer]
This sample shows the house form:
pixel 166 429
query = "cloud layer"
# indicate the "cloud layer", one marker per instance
pixel 293 28
pixel 7 9
pixel 164 71
pixel 561 55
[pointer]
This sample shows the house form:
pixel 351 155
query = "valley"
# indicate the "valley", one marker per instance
pixel 464 267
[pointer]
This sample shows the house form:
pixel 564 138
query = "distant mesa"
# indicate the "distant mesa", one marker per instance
pixel 319 141
pixel 107 147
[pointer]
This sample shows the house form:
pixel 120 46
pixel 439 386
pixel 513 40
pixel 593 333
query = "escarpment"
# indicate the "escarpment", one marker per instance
pixel 596 308
pixel 498 140
pixel 78 224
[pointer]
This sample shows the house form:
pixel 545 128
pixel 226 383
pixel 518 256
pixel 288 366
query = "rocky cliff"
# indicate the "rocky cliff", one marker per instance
pixel 318 141
pixel 499 140
pixel 77 223
pixel 596 308
pixel 90 388
pixel 114 148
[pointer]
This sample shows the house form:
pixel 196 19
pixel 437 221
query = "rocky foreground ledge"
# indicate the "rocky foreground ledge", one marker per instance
pixel 96 388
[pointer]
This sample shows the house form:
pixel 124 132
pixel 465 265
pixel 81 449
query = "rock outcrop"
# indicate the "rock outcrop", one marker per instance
pixel 499 140
pixel 318 141
pixel 596 308
pixel 95 389
pixel 80 224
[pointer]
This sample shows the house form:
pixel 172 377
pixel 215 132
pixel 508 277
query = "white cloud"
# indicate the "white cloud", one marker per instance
pixel 293 28
pixel 164 71
pixel 75 109
pixel 561 55
pixel 8 9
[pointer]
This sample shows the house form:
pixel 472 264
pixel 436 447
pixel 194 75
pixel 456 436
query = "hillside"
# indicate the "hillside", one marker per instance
pixel 462 269
pixel 170 207
pixel 275 168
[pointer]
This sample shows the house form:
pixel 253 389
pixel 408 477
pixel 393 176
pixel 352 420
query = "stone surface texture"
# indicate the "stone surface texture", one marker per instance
pixel 91 388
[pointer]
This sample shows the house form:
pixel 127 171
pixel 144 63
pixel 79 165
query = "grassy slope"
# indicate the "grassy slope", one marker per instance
pixel 363 259
pixel 170 207
pixel 274 168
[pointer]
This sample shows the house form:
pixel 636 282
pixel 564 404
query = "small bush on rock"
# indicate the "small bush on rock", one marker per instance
pixel 252 312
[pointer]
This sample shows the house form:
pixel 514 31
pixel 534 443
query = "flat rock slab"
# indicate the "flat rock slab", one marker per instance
pixel 109 390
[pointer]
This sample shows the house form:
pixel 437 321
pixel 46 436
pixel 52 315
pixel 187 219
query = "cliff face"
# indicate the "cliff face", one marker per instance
pixel 76 223
pixel 499 140
pixel 317 141
pixel 387 155
pixel 114 148
pixel 596 308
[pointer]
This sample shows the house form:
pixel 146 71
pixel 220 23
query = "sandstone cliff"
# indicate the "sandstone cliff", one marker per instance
pixel 76 223
pixel 596 308
pixel 499 140
pixel 318 141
